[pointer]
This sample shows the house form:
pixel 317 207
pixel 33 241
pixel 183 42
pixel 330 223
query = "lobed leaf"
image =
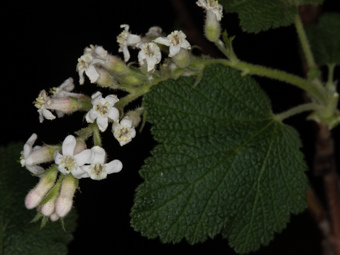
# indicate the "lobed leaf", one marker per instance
pixel 223 164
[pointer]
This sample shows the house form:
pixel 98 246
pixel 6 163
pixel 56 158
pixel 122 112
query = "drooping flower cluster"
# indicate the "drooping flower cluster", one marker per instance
pixel 53 196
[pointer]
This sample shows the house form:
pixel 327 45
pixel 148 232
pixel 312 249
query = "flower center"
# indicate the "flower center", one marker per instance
pixel 175 38
pixel 98 169
pixel 123 134
pixel 150 50
pixel 212 3
pixel 69 163
pixel 102 108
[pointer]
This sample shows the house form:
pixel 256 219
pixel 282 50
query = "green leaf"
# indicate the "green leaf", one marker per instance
pixel 17 235
pixel 324 40
pixel 223 164
pixel 257 16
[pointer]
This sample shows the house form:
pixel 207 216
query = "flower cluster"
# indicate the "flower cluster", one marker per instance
pixel 54 198
pixel 72 160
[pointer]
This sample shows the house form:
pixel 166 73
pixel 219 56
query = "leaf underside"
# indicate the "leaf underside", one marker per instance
pixel 223 164
pixel 17 235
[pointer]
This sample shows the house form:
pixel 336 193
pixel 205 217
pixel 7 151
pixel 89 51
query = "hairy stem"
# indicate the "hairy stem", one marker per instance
pixel 298 109
pixel 317 92
pixel 304 42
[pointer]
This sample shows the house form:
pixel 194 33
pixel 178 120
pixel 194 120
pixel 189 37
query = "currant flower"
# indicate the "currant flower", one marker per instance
pixel 126 39
pixel 149 54
pixel 124 131
pixel 176 40
pixel 32 156
pixel 211 6
pixel 72 158
pixel 98 170
pixel 42 102
pixel 88 62
pixel 103 109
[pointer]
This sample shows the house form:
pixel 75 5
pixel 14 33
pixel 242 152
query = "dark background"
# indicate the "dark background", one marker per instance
pixel 40 46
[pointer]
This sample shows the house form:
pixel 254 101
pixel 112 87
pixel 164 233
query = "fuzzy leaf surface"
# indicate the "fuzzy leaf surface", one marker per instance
pixel 257 16
pixel 17 235
pixel 223 164
pixel 324 40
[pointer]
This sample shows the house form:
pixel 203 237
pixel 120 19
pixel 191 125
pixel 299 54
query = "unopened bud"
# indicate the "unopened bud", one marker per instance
pixel 182 58
pixel 115 65
pixel 54 217
pixel 65 200
pixel 35 196
pixel 212 27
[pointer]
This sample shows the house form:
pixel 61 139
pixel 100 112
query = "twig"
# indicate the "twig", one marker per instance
pixel 324 164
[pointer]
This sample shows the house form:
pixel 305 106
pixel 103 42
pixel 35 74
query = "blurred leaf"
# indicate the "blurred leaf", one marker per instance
pixel 257 16
pixel 17 235
pixel 324 38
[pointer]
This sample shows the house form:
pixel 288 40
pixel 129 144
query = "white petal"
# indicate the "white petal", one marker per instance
pixel 83 157
pixel 92 73
pixel 162 40
pixel 174 50
pixel 47 114
pixel 28 145
pixel 98 155
pixel 133 39
pixel 102 123
pixel 114 166
pixel 91 116
pixel 80 173
pixel 113 114
pixel 68 145
pixel 112 99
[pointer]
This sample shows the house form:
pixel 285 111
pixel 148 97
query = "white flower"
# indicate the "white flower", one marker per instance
pixel 98 170
pixel 41 103
pixel 103 109
pixel 69 161
pixel 26 159
pixel 126 39
pixel 64 90
pixel 124 131
pixel 149 54
pixel 176 40
pixel 211 6
pixel 92 56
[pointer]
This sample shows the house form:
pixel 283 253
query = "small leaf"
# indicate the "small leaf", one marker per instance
pixel 324 40
pixel 223 165
pixel 17 235
pixel 257 16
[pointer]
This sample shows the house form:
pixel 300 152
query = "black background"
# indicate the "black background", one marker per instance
pixel 41 42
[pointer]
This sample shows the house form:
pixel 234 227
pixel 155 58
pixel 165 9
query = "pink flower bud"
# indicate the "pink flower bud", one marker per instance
pixel 54 217
pixel 48 208
pixel 35 196
pixel 65 200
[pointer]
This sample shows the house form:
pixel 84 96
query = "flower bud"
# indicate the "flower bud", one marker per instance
pixel 212 27
pixel 35 196
pixel 115 65
pixel 182 58
pixel 65 200
pixel 54 217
